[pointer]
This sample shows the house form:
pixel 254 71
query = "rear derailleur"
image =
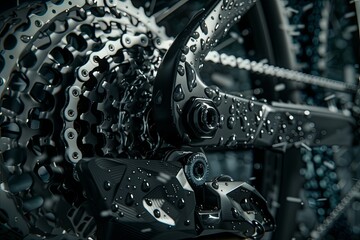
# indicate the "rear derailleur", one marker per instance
pixel 158 199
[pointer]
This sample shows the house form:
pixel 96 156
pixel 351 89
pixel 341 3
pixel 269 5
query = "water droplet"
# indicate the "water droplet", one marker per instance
pixel 114 207
pixel 290 118
pixel 193 48
pixel 257 119
pixel 196 35
pixel 187 222
pixel 268 125
pixel 181 70
pixel 185 50
pixel 221 141
pixel 299 129
pixel 217 100
pixel 183 58
pixel 129 200
pixel 261 134
pixel 181 203
pixel 107 185
pixel 145 186
pixel 178 93
pixel 216 26
pixel 251 105
pixel 204 28
pixel 215 185
pixel 293 199
pixel 148 201
pixel 221 121
pixel 231 122
pixel 231 141
pixel 190 76
pixel 243 122
pixel 25 38
pixel 235 213
pixel 232 109
pixel 178 109
pixel 157 213
pixel 202 44
pixel 210 93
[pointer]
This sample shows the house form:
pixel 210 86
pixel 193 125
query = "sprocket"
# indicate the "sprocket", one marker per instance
pixel 79 78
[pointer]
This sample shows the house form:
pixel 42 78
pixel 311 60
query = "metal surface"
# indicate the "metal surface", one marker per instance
pixel 105 120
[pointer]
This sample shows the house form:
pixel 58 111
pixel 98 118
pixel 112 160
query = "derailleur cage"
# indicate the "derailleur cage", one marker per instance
pixel 156 199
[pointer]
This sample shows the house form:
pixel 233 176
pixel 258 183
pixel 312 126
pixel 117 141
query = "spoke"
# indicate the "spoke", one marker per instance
pixel 164 14
pixel 357 6
pixel 151 7
pixel 323 228
pixel 234 37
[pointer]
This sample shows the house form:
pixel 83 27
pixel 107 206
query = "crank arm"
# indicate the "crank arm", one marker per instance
pixel 153 199
pixel 188 112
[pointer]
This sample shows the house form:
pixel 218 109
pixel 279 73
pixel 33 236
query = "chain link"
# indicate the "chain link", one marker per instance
pixel 274 71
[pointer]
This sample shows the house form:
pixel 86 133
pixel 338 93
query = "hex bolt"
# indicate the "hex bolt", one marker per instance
pixel 203 117
pixel 209 118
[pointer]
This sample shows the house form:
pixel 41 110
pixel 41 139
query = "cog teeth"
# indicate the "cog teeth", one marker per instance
pixel 89 117
pixel 86 130
pixel 114 127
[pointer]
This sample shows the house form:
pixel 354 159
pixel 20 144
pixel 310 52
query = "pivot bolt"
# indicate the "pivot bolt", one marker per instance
pixel 203 118
pixel 196 169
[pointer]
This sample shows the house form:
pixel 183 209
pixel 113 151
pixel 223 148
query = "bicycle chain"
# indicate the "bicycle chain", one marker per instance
pixel 122 94
pixel 282 73
pixel 42 85
pixel 95 82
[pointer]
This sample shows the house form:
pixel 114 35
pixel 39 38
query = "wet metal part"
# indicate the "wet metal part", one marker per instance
pixel 144 199
pixel 104 111
pixel 114 49
pixel 78 106
pixel 243 121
